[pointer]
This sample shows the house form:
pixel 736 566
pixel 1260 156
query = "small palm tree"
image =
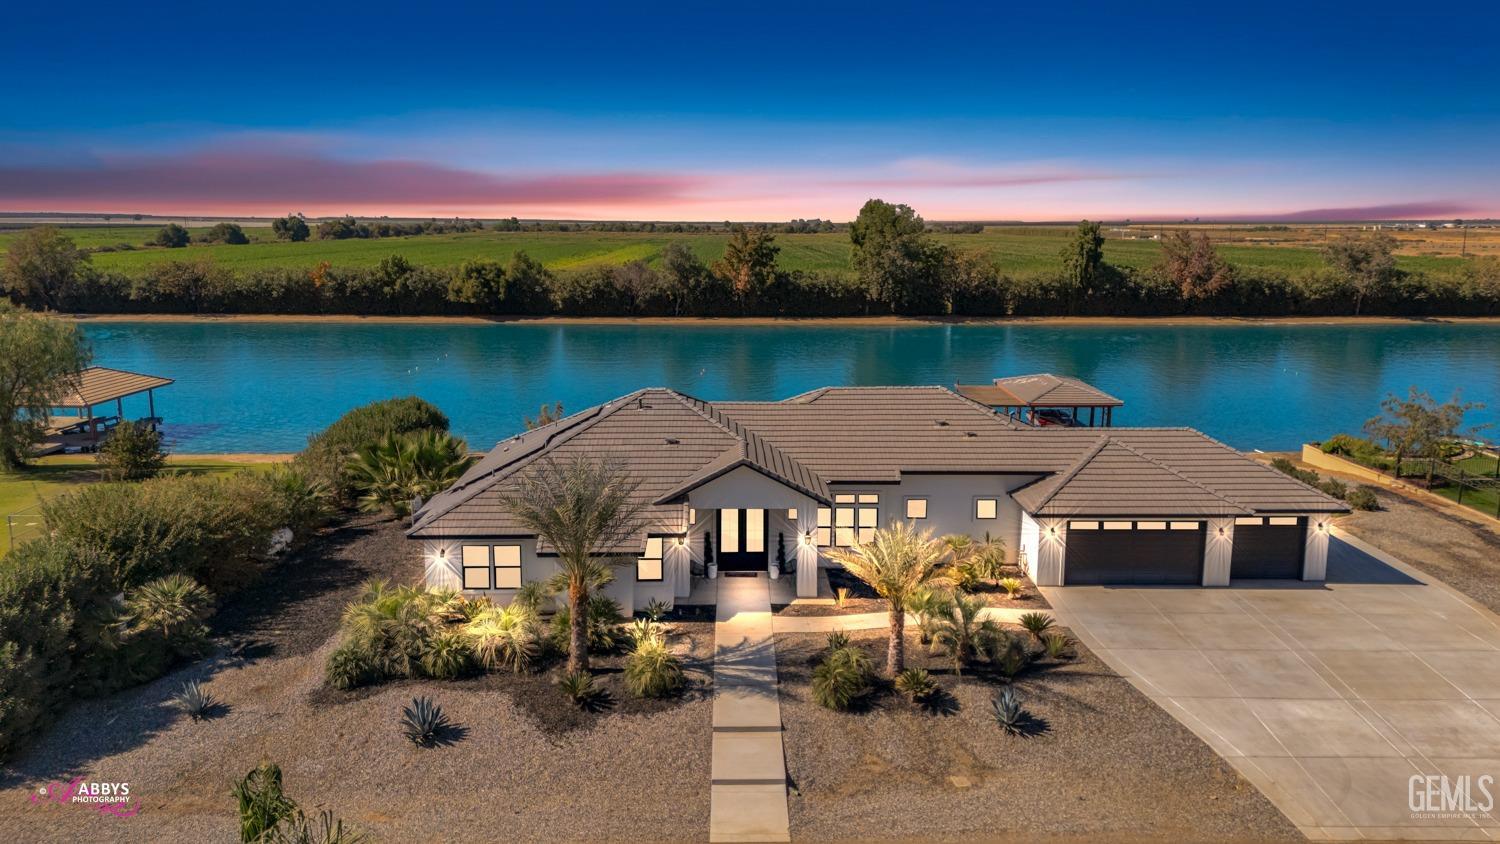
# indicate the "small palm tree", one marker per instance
pixel 963 634
pixel 588 511
pixel 174 606
pixel 896 562
pixel 402 467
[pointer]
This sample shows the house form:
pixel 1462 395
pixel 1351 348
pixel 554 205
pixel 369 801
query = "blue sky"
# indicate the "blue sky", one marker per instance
pixel 704 111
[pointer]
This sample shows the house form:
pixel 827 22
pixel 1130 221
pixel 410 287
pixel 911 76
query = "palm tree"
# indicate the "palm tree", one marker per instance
pixel 896 563
pixel 586 510
pixel 174 606
pixel 964 634
pixel 403 467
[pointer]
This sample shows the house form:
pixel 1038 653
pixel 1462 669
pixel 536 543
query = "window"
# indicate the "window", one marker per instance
pixel 986 508
pixel 916 508
pixel 507 566
pixel 480 560
pixel 1284 521
pixel 648 566
pixel 1083 525
pixel 1186 525
pixel 729 531
pixel 854 518
pixel 755 531
pixel 1247 521
pixel 1150 525
pixel 825 527
pixel 476 560
pixel 692 516
pixel 791 515
pixel 869 517
pixel 1117 525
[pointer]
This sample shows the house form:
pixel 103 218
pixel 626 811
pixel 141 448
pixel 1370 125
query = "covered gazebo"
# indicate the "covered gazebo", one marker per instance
pixel 1045 399
pixel 77 423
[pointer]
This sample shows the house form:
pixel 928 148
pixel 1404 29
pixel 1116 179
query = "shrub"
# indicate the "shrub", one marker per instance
pixel 172 608
pixel 401 469
pixel 1056 645
pixel 1013 586
pixel 1008 712
pixel 447 655
pixel 424 722
pixel 1288 467
pixel 394 625
pixel 915 683
pixel 301 501
pixel 505 638
pixel 132 452
pixel 172 236
pixel 533 596
pixel 1358 448
pixel 652 670
pixel 841 597
pixel 963 634
pixel 194 700
pixel 929 605
pixel 837 640
pixel 1009 655
pixel 1036 623
pixel 1333 487
pixel 328 452
pixel 605 618
pixel 841 678
pixel 262 803
pixel 579 687
pixel 351 666
pixel 1363 497
pixel 644 631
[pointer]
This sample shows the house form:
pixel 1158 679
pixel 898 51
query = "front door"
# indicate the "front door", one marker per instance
pixel 742 540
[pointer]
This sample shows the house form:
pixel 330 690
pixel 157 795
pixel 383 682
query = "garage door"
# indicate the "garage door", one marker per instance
pixel 1134 552
pixel 1268 547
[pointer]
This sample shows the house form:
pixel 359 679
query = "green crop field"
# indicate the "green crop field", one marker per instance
pixel 1016 250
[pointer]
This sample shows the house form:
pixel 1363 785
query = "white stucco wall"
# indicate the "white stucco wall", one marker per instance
pixel 1218 551
pixel 443 571
pixel 1315 559
pixel 1045 541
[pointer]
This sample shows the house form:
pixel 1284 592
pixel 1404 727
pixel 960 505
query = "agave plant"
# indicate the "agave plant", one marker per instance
pixel 399 468
pixel 657 609
pixel 963 634
pixel 505 638
pixel 194 700
pixel 837 640
pixel 424 722
pixel 1008 712
pixel 915 683
pixel 1036 623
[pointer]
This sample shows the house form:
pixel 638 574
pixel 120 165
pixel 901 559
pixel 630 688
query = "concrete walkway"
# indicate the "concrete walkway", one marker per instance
pixel 748 792
pixel 1331 698
pixel 879 620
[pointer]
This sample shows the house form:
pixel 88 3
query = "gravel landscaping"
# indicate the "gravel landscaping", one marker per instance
pixel 1104 761
pixel 525 764
pixel 862 599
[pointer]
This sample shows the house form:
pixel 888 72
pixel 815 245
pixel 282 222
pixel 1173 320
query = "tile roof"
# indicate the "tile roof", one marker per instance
pixel 1041 390
pixel 673 443
pixel 99 384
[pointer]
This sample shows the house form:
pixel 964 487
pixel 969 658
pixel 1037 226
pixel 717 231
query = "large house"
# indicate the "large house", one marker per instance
pixel 760 482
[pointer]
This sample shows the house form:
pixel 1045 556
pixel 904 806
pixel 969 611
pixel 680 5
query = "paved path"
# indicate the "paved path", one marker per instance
pixel 1329 698
pixel 880 620
pixel 749 767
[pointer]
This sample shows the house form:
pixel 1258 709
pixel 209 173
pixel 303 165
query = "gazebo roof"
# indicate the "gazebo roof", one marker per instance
pixel 1041 390
pixel 99 384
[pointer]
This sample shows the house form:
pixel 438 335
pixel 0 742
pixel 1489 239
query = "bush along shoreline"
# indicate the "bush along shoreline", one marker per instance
pixel 897 267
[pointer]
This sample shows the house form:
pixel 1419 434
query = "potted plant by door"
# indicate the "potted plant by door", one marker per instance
pixel 709 563
pixel 779 565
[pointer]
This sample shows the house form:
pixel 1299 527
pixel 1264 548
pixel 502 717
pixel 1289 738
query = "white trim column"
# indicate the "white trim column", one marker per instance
pixel 807 549
pixel 1315 556
pixel 1218 551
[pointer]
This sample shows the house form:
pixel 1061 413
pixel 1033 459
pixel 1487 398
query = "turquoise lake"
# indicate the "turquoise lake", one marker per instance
pixel 262 387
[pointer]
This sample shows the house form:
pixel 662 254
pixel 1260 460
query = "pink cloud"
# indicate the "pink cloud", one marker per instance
pixel 243 179
pixel 1395 211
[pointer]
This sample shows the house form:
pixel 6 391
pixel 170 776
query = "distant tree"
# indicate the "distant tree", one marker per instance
pixel 1192 262
pixel 479 282
pixel 1083 258
pixel 1365 263
pixel 342 228
pixel 1482 280
pixel 131 453
pixel 226 233
pixel 546 416
pixel 1418 426
pixel 38 355
pixel 684 275
pixel 528 286
pixel 749 262
pixel 291 227
pixel 172 236
pixel 40 265
pixel 896 261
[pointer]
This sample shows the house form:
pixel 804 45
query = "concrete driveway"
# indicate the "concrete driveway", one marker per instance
pixel 1330 697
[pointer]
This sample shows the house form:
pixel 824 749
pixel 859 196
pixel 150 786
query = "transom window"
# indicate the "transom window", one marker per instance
pixel 916 508
pixel 986 508
pixel 648 566
pixel 491 566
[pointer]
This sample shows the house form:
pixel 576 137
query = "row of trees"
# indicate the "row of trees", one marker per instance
pixel 897 267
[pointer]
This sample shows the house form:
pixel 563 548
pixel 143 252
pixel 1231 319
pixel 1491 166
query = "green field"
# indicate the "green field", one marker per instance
pixel 1016 250
pixel 48 477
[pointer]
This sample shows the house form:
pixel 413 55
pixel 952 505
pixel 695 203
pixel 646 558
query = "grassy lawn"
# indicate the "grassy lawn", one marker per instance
pixel 1018 250
pixel 48 477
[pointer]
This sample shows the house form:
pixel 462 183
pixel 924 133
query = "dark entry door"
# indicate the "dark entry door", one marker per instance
pixel 1134 557
pixel 742 540
pixel 1268 551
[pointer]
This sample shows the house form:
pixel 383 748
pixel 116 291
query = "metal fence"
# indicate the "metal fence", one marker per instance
pixel 23 525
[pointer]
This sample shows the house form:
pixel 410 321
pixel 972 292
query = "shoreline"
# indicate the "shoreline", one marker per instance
pixel 853 321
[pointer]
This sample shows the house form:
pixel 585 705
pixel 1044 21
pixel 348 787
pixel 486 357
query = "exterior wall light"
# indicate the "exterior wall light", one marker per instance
pixel 681 541
pixel 806 538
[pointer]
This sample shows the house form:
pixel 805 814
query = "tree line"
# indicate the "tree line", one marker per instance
pixel 896 267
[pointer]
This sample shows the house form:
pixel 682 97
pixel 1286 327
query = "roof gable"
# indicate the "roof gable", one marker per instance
pixel 1112 478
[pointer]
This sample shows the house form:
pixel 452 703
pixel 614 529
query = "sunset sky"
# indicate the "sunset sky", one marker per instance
pixel 753 111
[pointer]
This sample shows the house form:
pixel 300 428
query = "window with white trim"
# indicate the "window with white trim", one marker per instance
pixel 916 508
pixel 986 508
pixel 491 566
pixel 648 567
